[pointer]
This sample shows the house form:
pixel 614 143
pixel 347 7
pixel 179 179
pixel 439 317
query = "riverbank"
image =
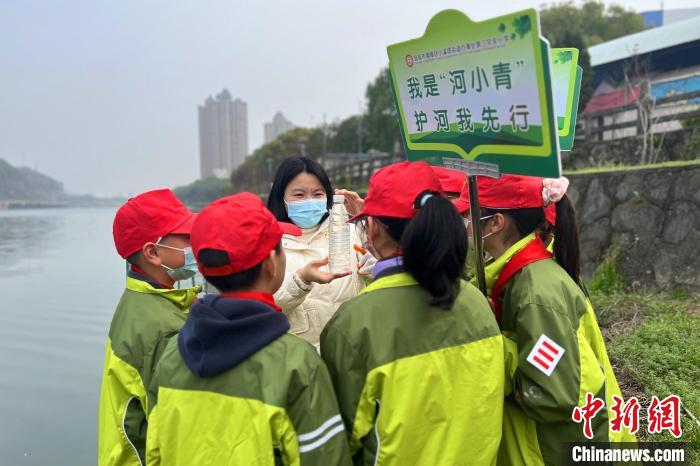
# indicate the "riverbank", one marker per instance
pixel 71 202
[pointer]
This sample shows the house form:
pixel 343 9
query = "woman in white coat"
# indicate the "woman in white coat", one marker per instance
pixel 301 194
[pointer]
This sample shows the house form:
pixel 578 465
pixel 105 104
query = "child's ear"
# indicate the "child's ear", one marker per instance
pixel 270 264
pixel 371 228
pixel 499 221
pixel 149 252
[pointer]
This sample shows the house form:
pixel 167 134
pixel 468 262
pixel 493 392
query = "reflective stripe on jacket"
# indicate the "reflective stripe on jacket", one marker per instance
pixel 417 384
pixel 275 407
pixel 145 319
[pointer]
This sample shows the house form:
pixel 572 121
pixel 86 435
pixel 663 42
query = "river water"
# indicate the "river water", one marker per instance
pixel 60 279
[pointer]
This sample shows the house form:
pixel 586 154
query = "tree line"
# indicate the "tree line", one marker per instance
pixel 566 24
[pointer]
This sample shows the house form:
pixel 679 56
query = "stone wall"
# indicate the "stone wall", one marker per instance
pixel 652 214
pixel 676 146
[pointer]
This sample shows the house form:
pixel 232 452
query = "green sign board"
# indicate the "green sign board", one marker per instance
pixel 566 78
pixel 479 91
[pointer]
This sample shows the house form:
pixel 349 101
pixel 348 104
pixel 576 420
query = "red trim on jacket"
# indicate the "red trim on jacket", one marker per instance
pixel 534 251
pixel 265 298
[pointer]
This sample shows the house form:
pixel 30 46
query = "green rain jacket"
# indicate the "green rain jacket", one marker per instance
pixel 416 384
pixel 147 316
pixel 234 389
pixel 555 354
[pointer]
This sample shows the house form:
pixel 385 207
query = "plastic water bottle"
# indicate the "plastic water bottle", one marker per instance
pixel 339 247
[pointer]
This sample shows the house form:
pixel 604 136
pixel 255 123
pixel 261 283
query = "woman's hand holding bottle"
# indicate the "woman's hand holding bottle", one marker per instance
pixel 312 273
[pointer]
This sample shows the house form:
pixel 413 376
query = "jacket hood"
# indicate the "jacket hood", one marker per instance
pixel 222 332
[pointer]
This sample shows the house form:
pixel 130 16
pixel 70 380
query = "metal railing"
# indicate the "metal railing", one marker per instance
pixel 590 129
pixel 355 172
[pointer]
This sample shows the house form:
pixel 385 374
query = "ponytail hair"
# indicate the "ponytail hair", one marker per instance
pixel 435 247
pixel 566 243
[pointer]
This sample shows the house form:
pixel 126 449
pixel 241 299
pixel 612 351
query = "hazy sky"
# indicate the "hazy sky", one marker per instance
pixel 103 95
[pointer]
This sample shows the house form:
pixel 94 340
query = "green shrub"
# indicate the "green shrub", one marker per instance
pixel 608 277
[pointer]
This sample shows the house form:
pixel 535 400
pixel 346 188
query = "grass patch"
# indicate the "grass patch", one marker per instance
pixel 616 168
pixel 654 344
pixel 608 277
pixel 621 313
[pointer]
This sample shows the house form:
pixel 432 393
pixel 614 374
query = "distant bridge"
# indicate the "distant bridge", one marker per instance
pixel 31 204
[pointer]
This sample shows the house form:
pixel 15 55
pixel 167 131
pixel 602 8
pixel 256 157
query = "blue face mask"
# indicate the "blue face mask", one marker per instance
pixel 189 268
pixel 307 213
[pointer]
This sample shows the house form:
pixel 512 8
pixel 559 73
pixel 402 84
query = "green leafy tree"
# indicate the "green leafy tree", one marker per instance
pixel 380 123
pixel 203 191
pixel 568 25
pixel 592 20
pixel 345 136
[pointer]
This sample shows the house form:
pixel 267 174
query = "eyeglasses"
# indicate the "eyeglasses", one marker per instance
pixel 362 228
pixel 468 221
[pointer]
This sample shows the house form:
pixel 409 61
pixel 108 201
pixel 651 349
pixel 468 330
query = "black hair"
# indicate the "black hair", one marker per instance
pixel 434 246
pixel 566 242
pixel 234 282
pixel 287 171
pixel 134 258
pixel 394 226
pixel 526 220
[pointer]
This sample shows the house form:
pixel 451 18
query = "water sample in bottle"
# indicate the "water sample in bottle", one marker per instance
pixel 339 247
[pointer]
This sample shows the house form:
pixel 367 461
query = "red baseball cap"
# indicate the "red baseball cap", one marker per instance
pixel 393 190
pixel 452 181
pixel 148 217
pixel 242 227
pixel 506 192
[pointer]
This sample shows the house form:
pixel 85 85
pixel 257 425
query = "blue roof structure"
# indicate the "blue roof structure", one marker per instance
pixel 651 40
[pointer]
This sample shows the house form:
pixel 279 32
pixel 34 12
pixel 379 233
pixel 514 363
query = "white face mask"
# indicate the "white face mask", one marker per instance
pixel 467 222
pixel 188 269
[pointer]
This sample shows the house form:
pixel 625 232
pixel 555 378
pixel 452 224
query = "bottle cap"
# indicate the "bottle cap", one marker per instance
pixel 338 198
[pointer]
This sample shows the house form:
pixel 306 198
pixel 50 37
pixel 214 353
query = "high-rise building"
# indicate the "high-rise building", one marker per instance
pixel 278 126
pixel 223 135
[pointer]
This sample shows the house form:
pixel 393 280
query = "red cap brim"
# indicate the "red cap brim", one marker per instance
pixel 289 229
pixel 185 228
pixel 354 218
pixel 461 205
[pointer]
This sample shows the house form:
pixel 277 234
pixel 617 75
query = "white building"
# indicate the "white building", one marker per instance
pixel 278 126
pixel 223 135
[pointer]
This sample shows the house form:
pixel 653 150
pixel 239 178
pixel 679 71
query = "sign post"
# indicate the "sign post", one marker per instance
pixel 474 169
pixel 477 97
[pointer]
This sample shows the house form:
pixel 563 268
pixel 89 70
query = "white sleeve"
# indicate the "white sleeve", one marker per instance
pixel 291 295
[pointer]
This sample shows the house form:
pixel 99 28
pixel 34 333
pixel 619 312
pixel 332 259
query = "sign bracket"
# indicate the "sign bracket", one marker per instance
pixel 474 169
